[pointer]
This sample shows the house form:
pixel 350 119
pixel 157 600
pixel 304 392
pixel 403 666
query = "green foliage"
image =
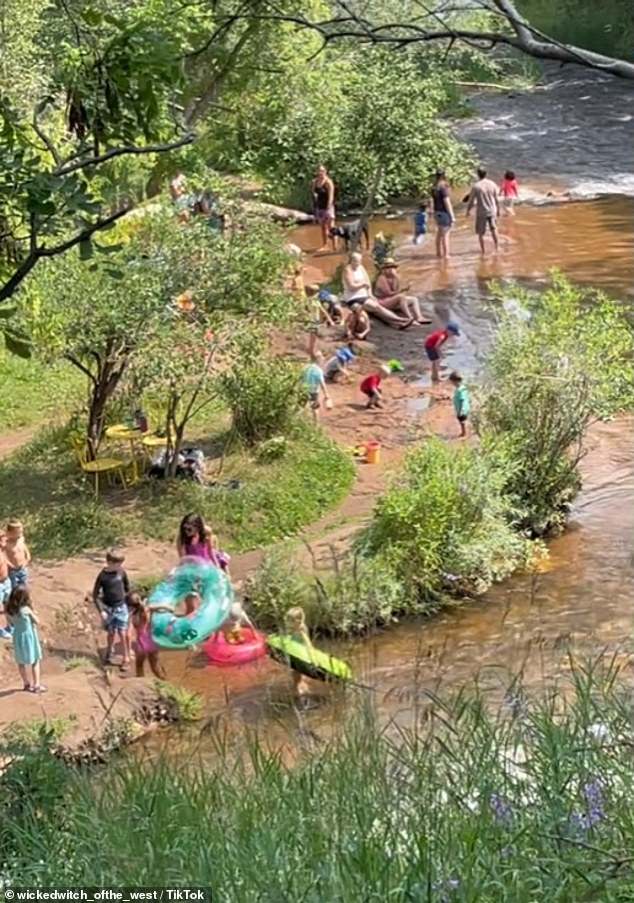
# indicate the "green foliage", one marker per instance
pixel 355 109
pixel 31 734
pixel 33 391
pixel 275 499
pixel 547 377
pixel 188 706
pixel 76 662
pixel 606 27
pixel 263 393
pixel 443 525
pixel 528 804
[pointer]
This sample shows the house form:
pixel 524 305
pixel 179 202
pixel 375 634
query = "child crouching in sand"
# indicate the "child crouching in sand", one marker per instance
pixel 371 386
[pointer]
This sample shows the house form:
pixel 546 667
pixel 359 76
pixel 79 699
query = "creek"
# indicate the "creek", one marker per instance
pixel 575 133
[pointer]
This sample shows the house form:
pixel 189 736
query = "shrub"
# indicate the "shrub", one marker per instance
pixel 187 705
pixel 444 525
pixel 264 395
pixel 566 359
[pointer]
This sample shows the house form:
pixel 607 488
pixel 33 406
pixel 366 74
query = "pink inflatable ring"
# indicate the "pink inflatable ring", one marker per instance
pixel 220 652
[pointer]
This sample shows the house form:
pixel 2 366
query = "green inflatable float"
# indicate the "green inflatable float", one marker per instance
pixel 309 661
pixel 173 631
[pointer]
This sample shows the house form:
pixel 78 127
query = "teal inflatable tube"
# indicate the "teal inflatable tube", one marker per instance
pixel 173 631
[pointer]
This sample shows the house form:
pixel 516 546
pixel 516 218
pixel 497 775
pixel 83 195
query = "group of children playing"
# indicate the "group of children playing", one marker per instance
pixel 318 373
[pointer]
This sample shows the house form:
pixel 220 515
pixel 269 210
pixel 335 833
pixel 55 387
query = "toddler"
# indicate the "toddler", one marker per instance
pixel 315 384
pixel 26 641
pixel 337 367
pixel 509 190
pixel 232 627
pixel 371 386
pixel 420 222
pixel 298 631
pixel 109 595
pixel 461 401
pixel 433 344
pixel 17 553
pixel 144 647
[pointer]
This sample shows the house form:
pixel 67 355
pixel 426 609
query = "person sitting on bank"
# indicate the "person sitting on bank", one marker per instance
pixel 357 287
pixel 358 324
pixel 390 294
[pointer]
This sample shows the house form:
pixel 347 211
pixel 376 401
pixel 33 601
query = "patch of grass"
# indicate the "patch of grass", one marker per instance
pixel 188 706
pixel 531 802
pixel 77 662
pixel 276 498
pixel 38 730
pixel 33 392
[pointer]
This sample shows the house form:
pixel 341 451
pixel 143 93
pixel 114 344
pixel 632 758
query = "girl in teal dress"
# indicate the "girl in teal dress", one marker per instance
pixel 26 642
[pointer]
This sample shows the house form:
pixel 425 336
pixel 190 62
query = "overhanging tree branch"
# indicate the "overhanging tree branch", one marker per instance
pixel 128 150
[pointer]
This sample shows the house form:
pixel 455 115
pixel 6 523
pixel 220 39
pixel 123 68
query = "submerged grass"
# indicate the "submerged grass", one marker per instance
pixel 531 802
pixel 274 498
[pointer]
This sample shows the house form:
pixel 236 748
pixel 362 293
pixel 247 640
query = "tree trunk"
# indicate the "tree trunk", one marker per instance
pixel 102 391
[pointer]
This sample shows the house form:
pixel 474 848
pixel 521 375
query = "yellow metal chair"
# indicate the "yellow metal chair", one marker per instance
pixel 107 466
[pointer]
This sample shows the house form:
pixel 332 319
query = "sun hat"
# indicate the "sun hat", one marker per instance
pixel 453 328
pixel 388 262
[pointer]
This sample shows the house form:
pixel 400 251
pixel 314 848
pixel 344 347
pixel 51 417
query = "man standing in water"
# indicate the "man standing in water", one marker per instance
pixel 323 192
pixel 486 198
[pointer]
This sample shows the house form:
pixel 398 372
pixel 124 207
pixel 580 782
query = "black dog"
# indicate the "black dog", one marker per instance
pixel 350 233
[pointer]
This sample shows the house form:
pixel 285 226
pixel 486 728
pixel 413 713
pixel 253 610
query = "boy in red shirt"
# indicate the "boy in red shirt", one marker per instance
pixel 433 344
pixel 371 386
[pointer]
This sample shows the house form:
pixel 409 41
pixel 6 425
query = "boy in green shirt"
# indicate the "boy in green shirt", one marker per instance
pixel 313 379
pixel 461 402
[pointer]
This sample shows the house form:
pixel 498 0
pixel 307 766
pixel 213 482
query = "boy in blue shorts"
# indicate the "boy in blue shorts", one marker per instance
pixel 109 595
pixel 461 401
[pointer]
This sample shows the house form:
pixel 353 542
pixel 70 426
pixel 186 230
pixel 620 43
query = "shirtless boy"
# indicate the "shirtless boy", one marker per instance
pixel 5 584
pixel 17 553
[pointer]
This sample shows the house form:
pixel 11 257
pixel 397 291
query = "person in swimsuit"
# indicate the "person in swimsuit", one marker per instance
pixel 390 294
pixel 323 191
pixel 357 287
pixel 443 214
pixel 195 540
pixel 144 646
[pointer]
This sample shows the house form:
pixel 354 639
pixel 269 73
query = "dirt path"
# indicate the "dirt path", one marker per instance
pixel 70 628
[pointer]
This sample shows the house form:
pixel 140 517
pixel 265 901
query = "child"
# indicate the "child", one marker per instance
pixel 26 642
pixel 17 553
pixel 297 629
pixel 509 190
pixel 313 378
pixel 331 307
pixel 337 366
pixel 5 585
pixel 420 222
pixel 109 595
pixel 371 386
pixel 196 540
pixel 144 647
pixel 461 401
pixel 433 344
pixel 232 627
pixel 358 323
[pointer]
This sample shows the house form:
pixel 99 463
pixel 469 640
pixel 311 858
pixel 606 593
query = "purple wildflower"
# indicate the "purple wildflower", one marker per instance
pixel 594 809
pixel 501 809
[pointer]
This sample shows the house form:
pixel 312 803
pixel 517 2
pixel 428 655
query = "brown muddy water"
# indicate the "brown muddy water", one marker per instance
pixel 579 604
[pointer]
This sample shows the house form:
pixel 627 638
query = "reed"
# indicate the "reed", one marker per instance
pixel 530 800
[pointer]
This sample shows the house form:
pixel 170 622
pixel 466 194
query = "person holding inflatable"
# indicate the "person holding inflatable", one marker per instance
pixel 195 540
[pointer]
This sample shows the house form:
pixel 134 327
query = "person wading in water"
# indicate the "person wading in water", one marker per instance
pixel 323 191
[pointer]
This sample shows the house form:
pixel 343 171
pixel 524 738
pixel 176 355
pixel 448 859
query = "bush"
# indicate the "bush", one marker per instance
pixel 444 525
pixel 567 358
pixel 264 395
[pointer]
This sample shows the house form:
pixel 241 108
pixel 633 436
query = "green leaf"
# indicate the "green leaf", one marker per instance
pixel 20 347
pixel 85 249
pixel 7 311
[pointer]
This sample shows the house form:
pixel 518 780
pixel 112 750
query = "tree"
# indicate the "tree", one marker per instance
pixel 421 22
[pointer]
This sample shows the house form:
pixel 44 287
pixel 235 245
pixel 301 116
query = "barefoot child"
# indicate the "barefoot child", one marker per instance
pixel 5 585
pixel 109 595
pixel 509 190
pixel 315 384
pixel 144 647
pixel 337 367
pixel 461 401
pixel 433 344
pixel 232 627
pixel 17 553
pixel 371 386
pixel 420 223
pixel 296 627
pixel 357 323
pixel 26 642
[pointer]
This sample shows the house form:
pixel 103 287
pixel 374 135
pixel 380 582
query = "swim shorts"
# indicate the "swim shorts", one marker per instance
pixel 443 219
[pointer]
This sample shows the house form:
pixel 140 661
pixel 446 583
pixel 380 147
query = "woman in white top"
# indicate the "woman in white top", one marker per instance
pixel 357 287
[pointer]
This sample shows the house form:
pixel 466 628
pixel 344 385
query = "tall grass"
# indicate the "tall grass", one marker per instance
pixel 531 802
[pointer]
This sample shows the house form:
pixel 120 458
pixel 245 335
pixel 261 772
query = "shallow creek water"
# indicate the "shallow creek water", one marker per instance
pixel 581 601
